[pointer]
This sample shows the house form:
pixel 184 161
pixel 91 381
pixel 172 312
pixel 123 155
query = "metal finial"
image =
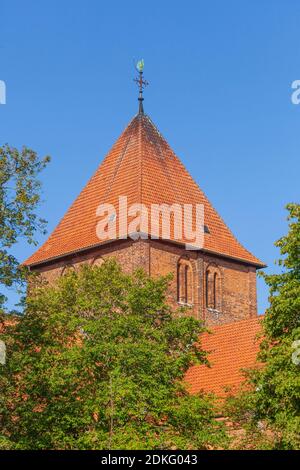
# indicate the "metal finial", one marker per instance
pixel 141 84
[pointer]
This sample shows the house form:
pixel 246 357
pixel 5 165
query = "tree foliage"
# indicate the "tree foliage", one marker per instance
pixel 19 198
pixel 97 362
pixel 275 397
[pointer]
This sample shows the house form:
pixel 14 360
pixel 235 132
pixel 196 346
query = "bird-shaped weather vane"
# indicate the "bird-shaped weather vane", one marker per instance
pixel 141 84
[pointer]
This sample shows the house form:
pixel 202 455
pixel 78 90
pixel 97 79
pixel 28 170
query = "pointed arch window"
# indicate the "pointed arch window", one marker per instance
pixel 98 261
pixel 213 293
pixel 184 282
pixel 207 288
pixel 215 290
pixel 67 269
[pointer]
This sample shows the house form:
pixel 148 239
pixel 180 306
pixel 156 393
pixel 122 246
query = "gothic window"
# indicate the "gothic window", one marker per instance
pixel 184 282
pixel 207 288
pixel 67 269
pixel 98 261
pixel 213 293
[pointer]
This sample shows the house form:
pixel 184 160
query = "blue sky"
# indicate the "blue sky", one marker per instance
pixel 220 75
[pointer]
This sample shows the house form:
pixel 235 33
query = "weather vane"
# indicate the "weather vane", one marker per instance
pixel 141 84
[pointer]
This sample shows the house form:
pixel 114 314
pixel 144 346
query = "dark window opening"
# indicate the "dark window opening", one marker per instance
pixel 207 288
pixel 215 291
pixel 184 284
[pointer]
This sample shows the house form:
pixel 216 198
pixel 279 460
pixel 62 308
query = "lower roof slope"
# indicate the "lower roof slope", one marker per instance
pixel 232 347
pixel 142 166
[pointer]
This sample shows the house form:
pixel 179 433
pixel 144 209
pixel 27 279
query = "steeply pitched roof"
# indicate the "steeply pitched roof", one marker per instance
pixel 233 347
pixel 142 166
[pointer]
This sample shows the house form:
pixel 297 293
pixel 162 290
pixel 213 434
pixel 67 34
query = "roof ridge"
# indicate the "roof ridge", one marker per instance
pixel 255 319
pixel 141 159
pixel 157 145
pixel 121 157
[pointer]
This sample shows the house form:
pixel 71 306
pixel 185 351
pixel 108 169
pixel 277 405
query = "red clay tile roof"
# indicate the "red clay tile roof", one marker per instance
pixel 233 347
pixel 142 166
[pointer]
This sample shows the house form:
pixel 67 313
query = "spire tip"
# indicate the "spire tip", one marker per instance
pixel 141 84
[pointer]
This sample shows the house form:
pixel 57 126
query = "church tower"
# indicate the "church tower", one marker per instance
pixel 216 280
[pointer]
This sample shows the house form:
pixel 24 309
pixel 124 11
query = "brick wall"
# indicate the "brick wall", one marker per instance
pixel 237 291
pixel 236 282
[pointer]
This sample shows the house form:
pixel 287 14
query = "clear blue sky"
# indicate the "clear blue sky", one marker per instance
pixel 220 73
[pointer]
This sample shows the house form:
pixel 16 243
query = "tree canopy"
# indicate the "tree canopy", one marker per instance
pixel 19 198
pixel 98 362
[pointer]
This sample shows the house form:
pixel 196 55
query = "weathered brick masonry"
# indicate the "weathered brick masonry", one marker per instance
pixel 238 281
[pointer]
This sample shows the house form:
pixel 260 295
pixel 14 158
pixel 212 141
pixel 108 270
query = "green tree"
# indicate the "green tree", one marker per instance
pixel 275 397
pixel 98 361
pixel 19 198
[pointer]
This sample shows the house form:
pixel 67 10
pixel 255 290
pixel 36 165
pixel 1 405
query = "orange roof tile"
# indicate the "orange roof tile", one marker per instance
pixel 142 166
pixel 232 347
